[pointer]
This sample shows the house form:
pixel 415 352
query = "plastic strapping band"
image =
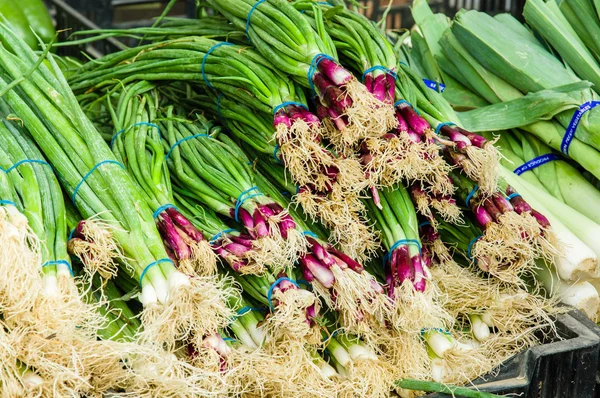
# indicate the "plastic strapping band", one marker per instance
pixel 223 43
pixel 287 103
pixel 163 208
pixel 218 235
pixel 535 162
pixel 275 154
pixel 471 243
pixel 440 330
pixel 471 194
pixel 439 126
pixel 513 195
pixel 435 86
pixel 244 310
pixel 8 202
pixel 314 64
pixel 244 196
pixel 20 162
pixel 112 140
pixel 181 141
pixel 250 16
pixel 311 234
pixel 379 67
pixel 570 133
pixel 57 262
pixel 277 282
pixel 89 173
pixel 413 242
pixel 162 260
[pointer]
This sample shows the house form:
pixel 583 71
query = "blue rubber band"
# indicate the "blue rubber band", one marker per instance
pixel 228 339
pixel 8 202
pixel 244 196
pixel 275 154
pixel 402 101
pixel 244 310
pixel 218 235
pixel 471 194
pixel 285 193
pixel 413 242
pixel 435 86
pixel 439 126
pixel 379 67
pixel 71 234
pixel 89 173
pixel 513 195
pixel 332 335
pixel 470 247
pixel 250 16
pixel 287 103
pixel 311 234
pixel 277 282
pixel 163 208
pixel 304 283
pixel 162 260
pixel 570 132
pixel 424 224
pixel 57 262
pixel 440 330
pixel 312 69
pixel 223 43
pixel 112 140
pixel 20 162
pixel 535 162
pixel 181 141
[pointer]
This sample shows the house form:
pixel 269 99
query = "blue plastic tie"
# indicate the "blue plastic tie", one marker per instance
pixel 218 235
pixel 439 126
pixel 275 154
pixel 332 335
pixel 89 173
pixel 403 101
pixel 535 162
pixel 424 224
pixel 20 162
pixel 311 234
pixel 413 242
pixel 210 50
pixel 162 260
pixel 71 234
pixel 379 67
pixel 513 195
pixel 312 69
pixel 287 103
pixel 435 86
pixel 181 141
pixel 57 262
pixel 277 282
pixel 163 208
pixel 570 133
pixel 244 196
pixel 440 330
pixel 112 140
pixel 471 243
pixel 244 310
pixel 471 194
pixel 250 16
pixel 304 283
pixel 228 339
pixel 8 202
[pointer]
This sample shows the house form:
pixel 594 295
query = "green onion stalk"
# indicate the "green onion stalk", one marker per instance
pixel 137 144
pixel 216 173
pixel 101 188
pixel 288 41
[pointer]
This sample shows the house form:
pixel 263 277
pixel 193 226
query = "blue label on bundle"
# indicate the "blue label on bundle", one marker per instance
pixel 432 84
pixel 535 162
pixel 570 133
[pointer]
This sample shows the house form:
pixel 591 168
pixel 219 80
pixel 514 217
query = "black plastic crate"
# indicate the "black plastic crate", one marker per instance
pixel 562 369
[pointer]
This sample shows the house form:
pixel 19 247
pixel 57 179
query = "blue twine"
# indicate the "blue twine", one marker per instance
pixel 89 173
pixel 163 208
pixel 439 126
pixel 413 242
pixel 287 103
pixel 535 162
pixel 435 86
pixel 513 195
pixel 244 310
pixel 275 154
pixel 181 141
pixel 440 330
pixel 223 43
pixel 218 235
pixel 471 194
pixel 244 196
pixel 311 234
pixel 312 69
pixel 274 284
pixel 379 67
pixel 162 260
pixel 57 262
pixel 471 243
pixel 20 162
pixel 112 140
pixel 8 202
pixel 570 132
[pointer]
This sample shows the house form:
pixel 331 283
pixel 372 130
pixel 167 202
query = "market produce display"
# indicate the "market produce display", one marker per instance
pixel 281 199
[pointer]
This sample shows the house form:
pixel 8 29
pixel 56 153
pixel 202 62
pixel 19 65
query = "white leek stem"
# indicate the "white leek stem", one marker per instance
pixel 480 330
